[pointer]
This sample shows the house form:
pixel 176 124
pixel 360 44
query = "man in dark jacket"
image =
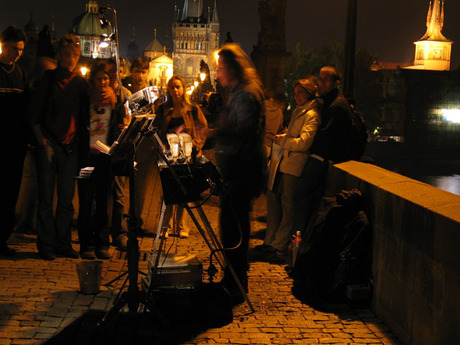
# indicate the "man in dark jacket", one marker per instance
pixel 14 90
pixel 329 146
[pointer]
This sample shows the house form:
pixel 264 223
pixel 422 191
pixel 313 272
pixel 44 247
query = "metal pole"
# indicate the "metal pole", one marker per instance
pixel 350 43
pixel 117 49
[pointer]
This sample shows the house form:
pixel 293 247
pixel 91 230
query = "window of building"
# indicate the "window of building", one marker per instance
pixel 86 48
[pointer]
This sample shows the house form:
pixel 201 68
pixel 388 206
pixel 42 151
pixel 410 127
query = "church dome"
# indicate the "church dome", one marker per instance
pixel 31 26
pixel 88 24
pixel 154 46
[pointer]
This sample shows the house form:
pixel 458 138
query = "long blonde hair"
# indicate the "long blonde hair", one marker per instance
pixel 184 103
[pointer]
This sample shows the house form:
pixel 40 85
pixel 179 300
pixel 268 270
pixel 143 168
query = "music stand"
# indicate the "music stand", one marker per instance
pixel 125 148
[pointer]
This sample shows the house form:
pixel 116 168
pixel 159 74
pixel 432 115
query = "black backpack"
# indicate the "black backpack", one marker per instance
pixel 358 135
pixel 335 251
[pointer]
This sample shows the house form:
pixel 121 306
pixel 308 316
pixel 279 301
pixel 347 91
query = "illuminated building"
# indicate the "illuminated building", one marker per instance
pixel 161 69
pixel 160 63
pixel 433 50
pixel 196 35
pixel 87 27
pixel 154 49
pixel 420 104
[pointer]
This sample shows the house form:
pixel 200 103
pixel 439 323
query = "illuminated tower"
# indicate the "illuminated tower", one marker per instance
pixel 196 36
pixel 433 50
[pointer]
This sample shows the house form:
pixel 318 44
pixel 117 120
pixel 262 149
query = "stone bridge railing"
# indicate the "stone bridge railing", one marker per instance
pixel 416 252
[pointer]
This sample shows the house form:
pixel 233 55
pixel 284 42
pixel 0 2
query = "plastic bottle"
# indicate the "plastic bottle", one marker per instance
pixel 295 249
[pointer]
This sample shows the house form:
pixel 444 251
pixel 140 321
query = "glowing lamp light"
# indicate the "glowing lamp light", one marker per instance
pixel 202 77
pixel 83 71
pixel 195 83
pixel 451 115
pixel 104 42
pixel 192 88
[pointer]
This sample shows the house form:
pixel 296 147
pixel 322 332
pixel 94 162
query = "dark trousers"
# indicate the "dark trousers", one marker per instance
pixel 13 155
pixel 235 232
pixel 93 194
pixel 309 190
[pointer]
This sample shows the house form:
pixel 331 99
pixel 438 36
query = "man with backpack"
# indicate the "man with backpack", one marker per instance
pixel 331 144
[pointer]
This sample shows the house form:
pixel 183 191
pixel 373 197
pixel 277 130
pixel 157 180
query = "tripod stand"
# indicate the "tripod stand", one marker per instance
pixel 126 148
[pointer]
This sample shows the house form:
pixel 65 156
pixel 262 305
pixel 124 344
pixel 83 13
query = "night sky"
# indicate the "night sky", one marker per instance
pixel 385 28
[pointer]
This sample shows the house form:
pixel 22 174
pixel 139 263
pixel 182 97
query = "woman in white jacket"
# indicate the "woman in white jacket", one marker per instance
pixel 295 142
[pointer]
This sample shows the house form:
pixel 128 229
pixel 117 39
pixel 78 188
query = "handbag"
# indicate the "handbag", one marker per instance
pixel 276 156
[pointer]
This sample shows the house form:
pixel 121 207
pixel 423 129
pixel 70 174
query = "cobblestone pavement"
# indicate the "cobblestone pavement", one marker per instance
pixel 40 303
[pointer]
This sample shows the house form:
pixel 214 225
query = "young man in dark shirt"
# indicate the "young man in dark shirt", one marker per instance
pixel 58 116
pixel 14 90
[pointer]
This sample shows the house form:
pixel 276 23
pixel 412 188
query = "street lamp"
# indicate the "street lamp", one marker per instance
pixel 202 77
pixel 104 22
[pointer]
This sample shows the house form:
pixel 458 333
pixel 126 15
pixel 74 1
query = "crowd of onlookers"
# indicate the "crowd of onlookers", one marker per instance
pixel 62 115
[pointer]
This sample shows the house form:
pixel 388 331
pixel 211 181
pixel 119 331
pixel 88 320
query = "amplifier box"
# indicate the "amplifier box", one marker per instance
pixel 174 271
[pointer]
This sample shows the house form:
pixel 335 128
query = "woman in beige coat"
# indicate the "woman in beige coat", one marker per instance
pixel 295 143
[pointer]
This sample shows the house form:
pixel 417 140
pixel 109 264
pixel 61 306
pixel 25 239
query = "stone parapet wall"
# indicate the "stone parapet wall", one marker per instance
pixel 416 252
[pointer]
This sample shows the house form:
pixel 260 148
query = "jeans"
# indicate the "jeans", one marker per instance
pixel 309 192
pixel 55 167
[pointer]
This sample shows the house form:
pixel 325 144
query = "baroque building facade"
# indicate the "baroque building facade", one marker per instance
pixel 195 36
pixel 87 27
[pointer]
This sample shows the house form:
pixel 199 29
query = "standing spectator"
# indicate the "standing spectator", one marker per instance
pixel 58 115
pixel 295 144
pixel 118 231
pixel 274 106
pixel 240 157
pixel 178 115
pixel 106 122
pixel 14 93
pixel 145 152
pixel 329 146
pixel 139 74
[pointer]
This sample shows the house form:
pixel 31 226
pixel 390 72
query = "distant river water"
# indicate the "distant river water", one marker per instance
pixel 449 183
pixel 436 169
pixel 444 175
